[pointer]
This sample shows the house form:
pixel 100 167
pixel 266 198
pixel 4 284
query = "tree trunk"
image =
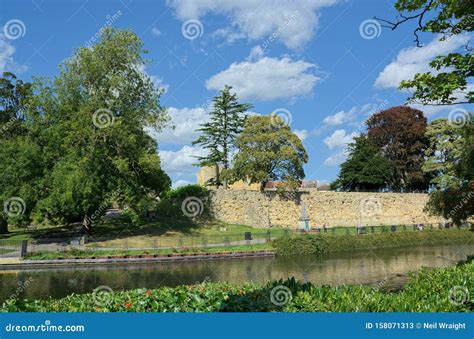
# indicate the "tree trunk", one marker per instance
pixel 217 178
pixel 3 225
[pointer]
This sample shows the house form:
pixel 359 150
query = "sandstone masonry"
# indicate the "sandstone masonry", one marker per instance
pixel 266 209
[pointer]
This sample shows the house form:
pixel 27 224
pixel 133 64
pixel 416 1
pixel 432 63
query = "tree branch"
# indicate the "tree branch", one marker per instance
pixel 420 16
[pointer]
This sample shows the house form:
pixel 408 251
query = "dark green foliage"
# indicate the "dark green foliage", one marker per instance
pixel 77 145
pixel 21 160
pixel 427 291
pixel 173 202
pixel 326 243
pixel 365 168
pixel 15 96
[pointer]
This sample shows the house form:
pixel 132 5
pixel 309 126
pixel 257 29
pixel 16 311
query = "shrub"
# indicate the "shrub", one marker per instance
pixel 322 243
pixel 301 244
pixel 171 203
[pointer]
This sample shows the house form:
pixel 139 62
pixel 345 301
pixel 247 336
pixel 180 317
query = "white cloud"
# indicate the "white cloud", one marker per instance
pixel 336 159
pixel 6 57
pixel 339 139
pixel 256 53
pixel 155 31
pixel 229 35
pixel 181 162
pixel 412 60
pixel 291 22
pixel 266 79
pixel 186 121
pixel 301 133
pixel 341 117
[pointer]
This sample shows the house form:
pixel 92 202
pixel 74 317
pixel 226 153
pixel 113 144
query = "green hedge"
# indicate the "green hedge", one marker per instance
pixel 324 243
pixel 440 290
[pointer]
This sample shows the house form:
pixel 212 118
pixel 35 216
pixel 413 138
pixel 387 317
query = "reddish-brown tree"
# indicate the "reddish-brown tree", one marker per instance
pixel 400 133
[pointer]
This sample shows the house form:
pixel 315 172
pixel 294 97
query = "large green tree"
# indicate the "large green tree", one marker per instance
pixel 20 156
pixel 447 81
pixel 365 169
pixel 90 126
pixel 219 134
pixel 449 158
pixel 400 133
pixel 269 150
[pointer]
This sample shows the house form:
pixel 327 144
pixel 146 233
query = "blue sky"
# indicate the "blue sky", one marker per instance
pixel 323 65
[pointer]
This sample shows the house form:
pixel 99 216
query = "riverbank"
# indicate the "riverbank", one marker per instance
pixel 321 244
pixel 135 259
pixel 439 290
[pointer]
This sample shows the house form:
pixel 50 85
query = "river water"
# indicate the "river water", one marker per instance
pixel 387 268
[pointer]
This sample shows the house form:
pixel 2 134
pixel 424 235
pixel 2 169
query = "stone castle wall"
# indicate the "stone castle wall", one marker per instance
pixel 265 209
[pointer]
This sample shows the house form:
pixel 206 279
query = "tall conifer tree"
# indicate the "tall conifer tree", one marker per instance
pixel 219 134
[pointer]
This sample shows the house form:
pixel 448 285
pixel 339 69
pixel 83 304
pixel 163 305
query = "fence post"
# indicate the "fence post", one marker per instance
pixel 204 242
pixel 23 248
pixel 269 236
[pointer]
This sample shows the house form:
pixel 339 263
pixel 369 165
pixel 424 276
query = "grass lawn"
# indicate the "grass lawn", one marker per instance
pixel 119 233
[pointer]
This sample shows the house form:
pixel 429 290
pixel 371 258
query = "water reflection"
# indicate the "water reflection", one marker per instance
pixel 384 267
